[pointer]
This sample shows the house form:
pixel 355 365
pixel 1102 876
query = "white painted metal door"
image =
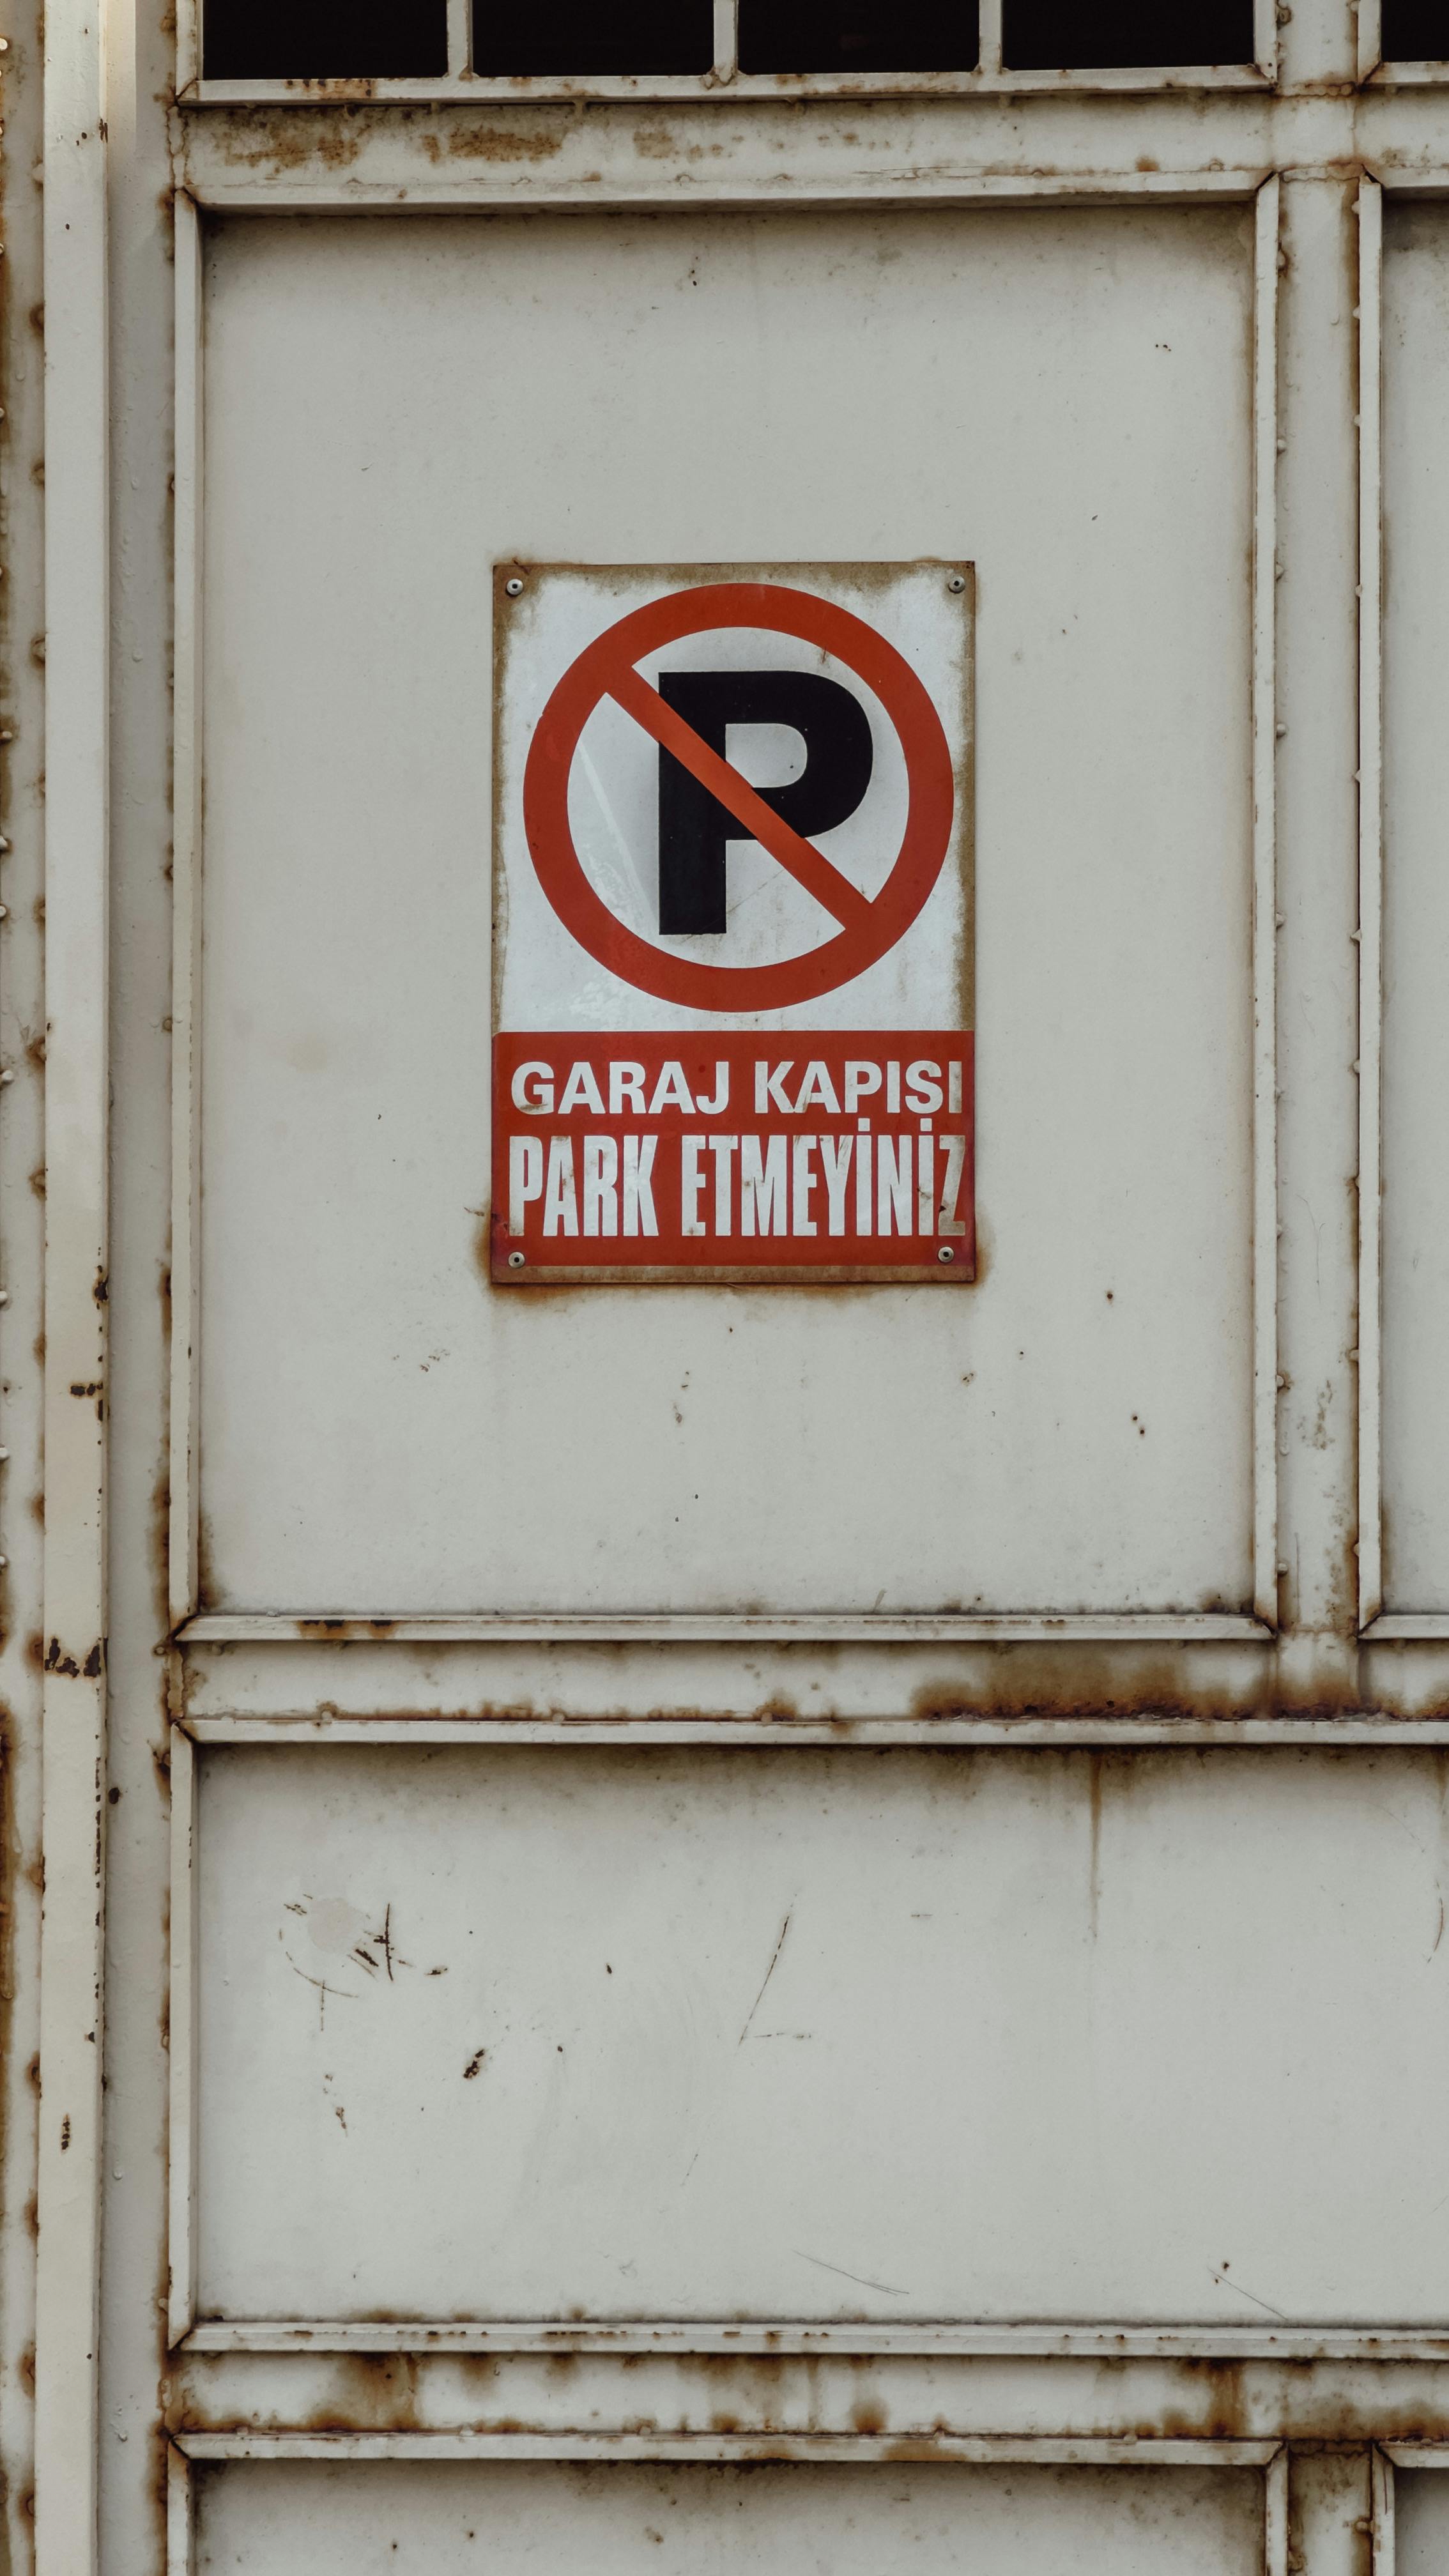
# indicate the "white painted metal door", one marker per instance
pixel 660 1917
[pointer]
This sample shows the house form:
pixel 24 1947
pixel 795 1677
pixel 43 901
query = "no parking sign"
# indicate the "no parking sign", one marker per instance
pixel 733 924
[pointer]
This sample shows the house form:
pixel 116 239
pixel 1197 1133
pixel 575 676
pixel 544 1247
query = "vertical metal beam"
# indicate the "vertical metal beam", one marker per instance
pixel 989 36
pixel 1382 2514
pixel 181 2214
pixel 188 47
pixel 1370 901
pixel 1275 2515
pixel 186 924
pixel 77 755
pixel 180 2518
pixel 1265 906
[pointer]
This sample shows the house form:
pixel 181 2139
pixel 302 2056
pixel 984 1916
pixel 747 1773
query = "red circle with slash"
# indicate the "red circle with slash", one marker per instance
pixel 606 669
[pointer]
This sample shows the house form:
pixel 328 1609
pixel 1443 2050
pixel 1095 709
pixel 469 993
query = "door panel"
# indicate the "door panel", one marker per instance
pixel 541 2033
pixel 262 2518
pixel 1416 913
pixel 391 407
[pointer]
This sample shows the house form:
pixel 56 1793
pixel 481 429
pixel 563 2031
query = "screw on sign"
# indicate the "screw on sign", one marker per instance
pixel 732 1012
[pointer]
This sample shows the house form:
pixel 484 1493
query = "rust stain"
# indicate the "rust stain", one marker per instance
pixel 205 1568
pixel 59 1659
pixel 1094 1867
pixel 479 142
pixel 158 1535
pixel 1029 1680
pixel 284 139
pixel 345 1631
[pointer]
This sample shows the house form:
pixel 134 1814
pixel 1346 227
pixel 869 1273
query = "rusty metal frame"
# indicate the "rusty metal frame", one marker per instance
pixel 1376 1623
pixel 1371 904
pixel 964 2450
pixel 1198 2345
pixel 1266 246
pixel 1083 1732
pixel 687 1627
pixel 778 2338
pixel 193 1626
pixel 186 2450
pixel 989 78
pixel 76 617
pixel 1388 2457
pixel 184 1508
pixel 183 2052
pixel 221 179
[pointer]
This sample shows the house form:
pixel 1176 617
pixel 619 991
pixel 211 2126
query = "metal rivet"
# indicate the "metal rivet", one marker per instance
pixel 4 1454
pixel 7 1075
pixel 514 586
pixel 515 1260
pixel 956 581
pixel 4 1296
pixel 1280 731
pixel 946 1253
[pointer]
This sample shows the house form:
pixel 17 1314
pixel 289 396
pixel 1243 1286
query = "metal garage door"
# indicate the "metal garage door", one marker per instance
pixel 723 1264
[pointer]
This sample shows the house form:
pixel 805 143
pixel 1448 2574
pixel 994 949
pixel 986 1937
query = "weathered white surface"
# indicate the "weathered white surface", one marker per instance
pixel 1062 398
pixel 1416 911
pixel 1092 2020
pixel 386 2519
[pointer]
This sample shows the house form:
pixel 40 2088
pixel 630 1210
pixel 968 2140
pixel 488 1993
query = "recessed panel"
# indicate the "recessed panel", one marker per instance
pixel 827 2035
pixel 1421 2521
pixel 394 408
pixel 1416 912
pixel 388 2519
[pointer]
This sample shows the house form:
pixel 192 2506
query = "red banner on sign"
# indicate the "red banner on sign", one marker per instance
pixel 843 1153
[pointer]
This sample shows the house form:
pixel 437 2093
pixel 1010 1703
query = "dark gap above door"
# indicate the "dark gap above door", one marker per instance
pixel 1119 35
pixel 644 39
pixel 857 35
pixel 1415 31
pixel 580 39
pixel 324 39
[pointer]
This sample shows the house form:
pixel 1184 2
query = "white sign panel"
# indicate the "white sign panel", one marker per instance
pixel 732 1022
